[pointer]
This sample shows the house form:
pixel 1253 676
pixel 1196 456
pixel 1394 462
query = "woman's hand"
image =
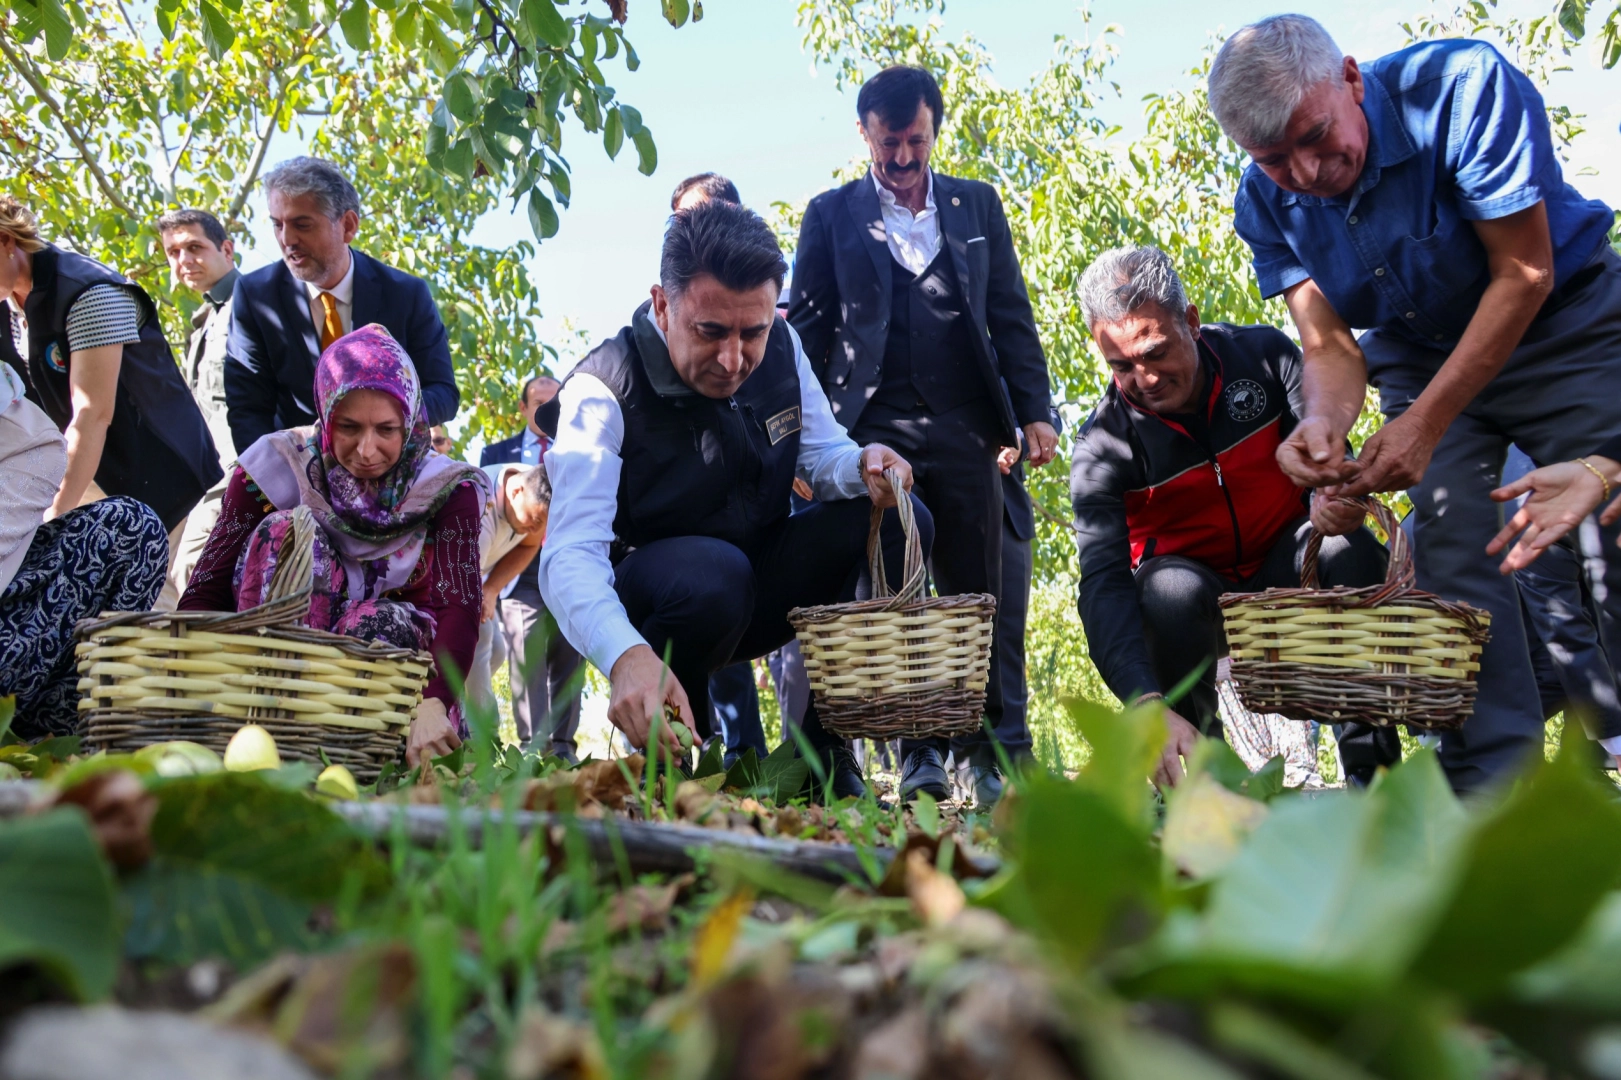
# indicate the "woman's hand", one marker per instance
pixel 492 597
pixel 1560 497
pixel 432 733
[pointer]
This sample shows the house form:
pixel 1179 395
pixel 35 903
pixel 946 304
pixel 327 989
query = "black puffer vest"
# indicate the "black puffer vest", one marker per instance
pixel 693 465
pixel 158 447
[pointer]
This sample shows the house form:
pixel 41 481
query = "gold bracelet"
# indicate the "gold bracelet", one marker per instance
pixel 1594 469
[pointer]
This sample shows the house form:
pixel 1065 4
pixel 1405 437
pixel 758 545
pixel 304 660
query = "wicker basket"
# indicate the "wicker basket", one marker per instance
pixel 903 664
pixel 1385 654
pixel 149 677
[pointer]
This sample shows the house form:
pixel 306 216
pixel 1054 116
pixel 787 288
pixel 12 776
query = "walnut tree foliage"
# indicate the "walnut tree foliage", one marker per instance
pixel 439 110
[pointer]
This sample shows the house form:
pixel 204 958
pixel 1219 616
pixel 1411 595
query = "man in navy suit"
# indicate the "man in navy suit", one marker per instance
pixel 913 314
pixel 545 693
pixel 284 316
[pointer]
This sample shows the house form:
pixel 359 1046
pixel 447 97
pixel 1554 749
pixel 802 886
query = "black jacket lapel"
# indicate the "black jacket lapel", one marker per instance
pixel 956 229
pixel 868 217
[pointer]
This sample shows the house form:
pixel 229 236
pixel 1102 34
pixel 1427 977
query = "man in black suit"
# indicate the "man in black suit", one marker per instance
pixel 909 301
pixel 545 692
pixel 285 315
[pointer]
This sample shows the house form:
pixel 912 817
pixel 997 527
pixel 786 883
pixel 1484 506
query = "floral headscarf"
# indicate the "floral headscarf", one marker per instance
pixel 378 526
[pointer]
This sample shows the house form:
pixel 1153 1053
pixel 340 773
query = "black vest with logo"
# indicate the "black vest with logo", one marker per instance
pixel 693 465
pixel 158 448
pixel 929 355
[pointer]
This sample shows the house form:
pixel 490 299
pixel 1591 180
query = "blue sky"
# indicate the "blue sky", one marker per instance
pixel 735 94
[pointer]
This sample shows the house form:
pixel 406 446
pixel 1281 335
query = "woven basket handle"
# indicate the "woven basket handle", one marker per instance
pixel 915 573
pixel 1399 575
pixel 294 568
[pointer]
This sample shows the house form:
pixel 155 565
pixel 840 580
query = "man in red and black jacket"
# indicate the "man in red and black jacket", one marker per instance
pixel 1178 497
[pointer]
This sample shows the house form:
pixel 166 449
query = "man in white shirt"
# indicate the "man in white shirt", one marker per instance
pixel 677 444
pixel 913 313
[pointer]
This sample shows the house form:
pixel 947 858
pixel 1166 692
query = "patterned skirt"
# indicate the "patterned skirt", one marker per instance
pixel 109 556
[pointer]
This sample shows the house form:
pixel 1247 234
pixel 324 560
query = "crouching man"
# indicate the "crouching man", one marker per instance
pixel 509 539
pixel 1179 498
pixel 676 446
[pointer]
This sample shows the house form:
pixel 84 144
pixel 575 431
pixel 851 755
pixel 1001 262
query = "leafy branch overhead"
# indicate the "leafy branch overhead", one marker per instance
pixel 440 110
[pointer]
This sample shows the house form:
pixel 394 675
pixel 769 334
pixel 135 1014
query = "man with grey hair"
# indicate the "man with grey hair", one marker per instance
pixel 284 316
pixel 1178 497
pixel 1419 196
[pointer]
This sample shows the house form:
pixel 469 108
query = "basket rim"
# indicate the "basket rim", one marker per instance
pixel 1476 621
pixel 819 613
pixel 266 623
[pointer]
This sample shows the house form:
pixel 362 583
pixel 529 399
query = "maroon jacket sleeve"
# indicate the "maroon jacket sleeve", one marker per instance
pixel 211 585
pixel 455 588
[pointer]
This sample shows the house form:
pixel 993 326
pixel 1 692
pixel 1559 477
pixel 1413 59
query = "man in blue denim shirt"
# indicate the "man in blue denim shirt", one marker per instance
pixel 1420 200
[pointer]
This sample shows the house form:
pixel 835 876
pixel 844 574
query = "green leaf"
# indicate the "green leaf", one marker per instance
pixel 676 11
pixel 783 773
pixel 1533 874
pixel 8 712
pixel 462 96
pixel 57 907
pixel 712 761
pixel 546 22
pixel 647 155
pixel 1087 871
pixel 631 117
pixel 48 17
pixel 744 775
pixel 1573 18
pixel 218 33
pixel 167 12
pixel 542 215
pixel 240 823
pixel 182 913
pixel 613 133
pixel 355 22
pixel 1125 746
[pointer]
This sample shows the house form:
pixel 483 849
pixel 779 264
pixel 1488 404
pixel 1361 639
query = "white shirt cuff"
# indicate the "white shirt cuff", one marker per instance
pixel 1612 744
pixel 612 639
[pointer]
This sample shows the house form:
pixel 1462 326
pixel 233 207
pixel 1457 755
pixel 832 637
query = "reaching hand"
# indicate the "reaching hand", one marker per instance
pixel 1180 739
pixel 492 597
pixel 641 686
pixel 875 458
pixel 1042 442
pixel 1560 497
pixel 1313 455
pixel 1394 457
pixel 1336 515
pixel 432 733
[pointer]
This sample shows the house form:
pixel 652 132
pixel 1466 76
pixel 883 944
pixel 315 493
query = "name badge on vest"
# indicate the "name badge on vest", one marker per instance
pixel 782 425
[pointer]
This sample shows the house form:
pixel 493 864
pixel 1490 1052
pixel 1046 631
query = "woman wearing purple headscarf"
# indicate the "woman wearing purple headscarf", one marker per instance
pixel 396 557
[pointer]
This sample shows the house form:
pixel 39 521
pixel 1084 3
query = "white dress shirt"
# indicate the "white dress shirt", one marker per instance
pixel 576 576
pixel 343 292
pixel 914 239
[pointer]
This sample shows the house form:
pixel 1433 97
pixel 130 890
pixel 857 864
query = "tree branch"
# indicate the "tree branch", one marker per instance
pixel 36 80
pixel 317 32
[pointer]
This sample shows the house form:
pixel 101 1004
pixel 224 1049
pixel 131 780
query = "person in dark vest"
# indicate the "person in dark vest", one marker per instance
pixel 913 311
pixel 88 342
pixel 676 446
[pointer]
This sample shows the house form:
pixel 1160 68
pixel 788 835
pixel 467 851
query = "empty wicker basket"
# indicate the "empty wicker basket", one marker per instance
pixel 903 664
pixel 150 677
pixel 1385 654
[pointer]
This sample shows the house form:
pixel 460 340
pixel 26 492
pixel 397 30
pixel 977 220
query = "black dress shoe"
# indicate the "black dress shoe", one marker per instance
pixel 842 773
pixel 923 771
pixel 987 785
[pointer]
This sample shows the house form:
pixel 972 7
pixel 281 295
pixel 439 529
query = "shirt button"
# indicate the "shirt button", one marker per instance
pixel 1412 314
pixel 1352 219
pixel 1379 272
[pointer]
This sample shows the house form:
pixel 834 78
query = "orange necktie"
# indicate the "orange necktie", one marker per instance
pixel 332 325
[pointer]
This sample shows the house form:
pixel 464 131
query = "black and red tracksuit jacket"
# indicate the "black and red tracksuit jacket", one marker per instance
pixel 1143 486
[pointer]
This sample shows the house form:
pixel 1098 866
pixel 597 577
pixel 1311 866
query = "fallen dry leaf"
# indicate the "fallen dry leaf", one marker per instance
pixel 646 907
pixel 897 1050
pixel 936 898
pixel 120 811
pixel 553 1047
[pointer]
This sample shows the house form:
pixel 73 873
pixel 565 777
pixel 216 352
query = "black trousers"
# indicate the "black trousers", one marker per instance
pixel 953 459
pixel 1012 611
pixel 1180 602
pixel 711 603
